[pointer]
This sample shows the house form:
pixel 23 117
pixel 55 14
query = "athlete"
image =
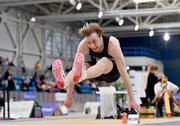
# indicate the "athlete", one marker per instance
pixel 107 62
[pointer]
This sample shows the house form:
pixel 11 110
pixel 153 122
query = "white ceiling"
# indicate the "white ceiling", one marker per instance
pixel 160 15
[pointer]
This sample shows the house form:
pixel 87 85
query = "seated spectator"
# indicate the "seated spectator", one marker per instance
pixel 160 88
pixel 87 83
pixel 6 74
pixel 25 85
pixel 42 85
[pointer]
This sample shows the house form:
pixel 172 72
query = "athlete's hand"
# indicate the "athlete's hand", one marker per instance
pixel 69 101
pixel 134 105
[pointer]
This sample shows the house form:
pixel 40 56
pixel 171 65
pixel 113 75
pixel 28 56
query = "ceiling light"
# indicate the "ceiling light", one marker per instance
pixel 151 33
pixel 136 28
pixel 121 22
pixel 78 6
pixel 100 14
pixel 166 36
pixel 33 19
pixel 72 2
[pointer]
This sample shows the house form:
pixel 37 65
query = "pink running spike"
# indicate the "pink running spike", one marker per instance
pixel 57 69
pixel 78 67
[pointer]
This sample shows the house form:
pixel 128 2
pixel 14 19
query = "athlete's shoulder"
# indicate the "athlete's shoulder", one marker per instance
pixel 113 41
pixel 113 47
pixel 112 38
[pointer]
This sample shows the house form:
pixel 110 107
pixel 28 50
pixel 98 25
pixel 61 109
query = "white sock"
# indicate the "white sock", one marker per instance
pixel 84 75
pixel 66 83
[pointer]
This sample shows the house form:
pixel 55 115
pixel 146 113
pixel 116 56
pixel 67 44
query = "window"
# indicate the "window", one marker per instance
pixel 49 41
pixel 54 43
pixel 58 40
pixel 72 46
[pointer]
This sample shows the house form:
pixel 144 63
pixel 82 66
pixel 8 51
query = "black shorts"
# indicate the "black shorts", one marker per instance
pixel 112 76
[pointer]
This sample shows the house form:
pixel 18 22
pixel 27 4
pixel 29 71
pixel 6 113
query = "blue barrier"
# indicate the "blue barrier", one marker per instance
pixel 19 81
pixel 141 51
pixel 85 89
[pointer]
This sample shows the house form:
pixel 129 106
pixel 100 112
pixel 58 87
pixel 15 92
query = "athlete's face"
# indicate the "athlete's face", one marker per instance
pixel 95 42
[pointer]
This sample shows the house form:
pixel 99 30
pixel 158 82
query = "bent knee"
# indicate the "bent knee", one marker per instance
pixel 105 61
pixel 106 64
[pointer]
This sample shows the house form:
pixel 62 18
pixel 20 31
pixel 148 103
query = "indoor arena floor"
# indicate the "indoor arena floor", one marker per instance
pixel 85 120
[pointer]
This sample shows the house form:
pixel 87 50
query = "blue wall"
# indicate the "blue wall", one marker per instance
pixel 169 51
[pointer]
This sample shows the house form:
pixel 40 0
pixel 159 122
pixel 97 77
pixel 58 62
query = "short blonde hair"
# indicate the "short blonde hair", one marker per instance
pixel 89 28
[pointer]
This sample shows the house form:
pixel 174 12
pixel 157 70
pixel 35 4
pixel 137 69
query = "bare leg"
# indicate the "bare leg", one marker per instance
pixel 103 66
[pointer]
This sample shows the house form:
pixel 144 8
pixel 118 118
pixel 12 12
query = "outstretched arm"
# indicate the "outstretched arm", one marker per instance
pixel 115 51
